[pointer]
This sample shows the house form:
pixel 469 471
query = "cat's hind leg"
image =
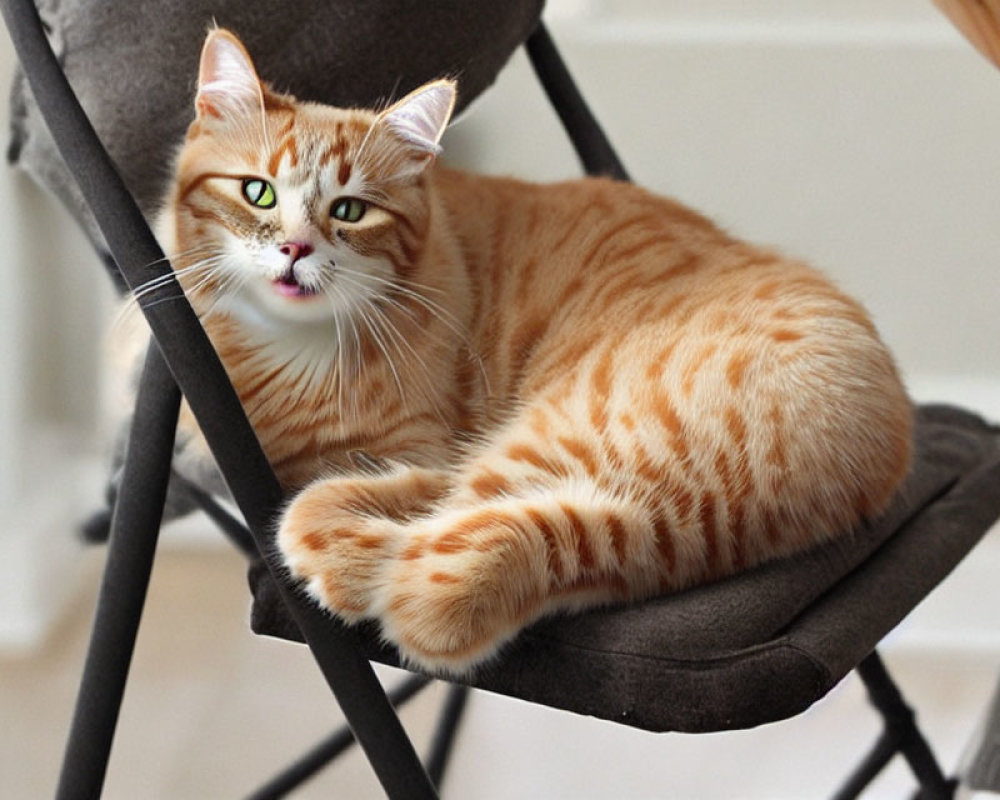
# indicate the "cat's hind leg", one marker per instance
pixel 470 578
pixel 451 581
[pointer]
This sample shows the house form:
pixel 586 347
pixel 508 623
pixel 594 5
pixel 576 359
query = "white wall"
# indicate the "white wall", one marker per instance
pixel 53 296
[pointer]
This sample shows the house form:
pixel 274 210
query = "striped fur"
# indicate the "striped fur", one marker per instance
pixel 495 399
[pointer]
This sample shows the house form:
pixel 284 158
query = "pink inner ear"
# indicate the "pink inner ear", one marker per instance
pixel 421 117
pixel 227 80
pixel 205 108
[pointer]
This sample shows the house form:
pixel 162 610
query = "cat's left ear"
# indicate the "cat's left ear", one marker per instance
pixel 419 119
pixel 228 85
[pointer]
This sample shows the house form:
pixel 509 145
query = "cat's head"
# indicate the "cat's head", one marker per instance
pixel 296 211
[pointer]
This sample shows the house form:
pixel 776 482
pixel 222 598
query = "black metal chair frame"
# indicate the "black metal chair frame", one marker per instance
pixel 183 360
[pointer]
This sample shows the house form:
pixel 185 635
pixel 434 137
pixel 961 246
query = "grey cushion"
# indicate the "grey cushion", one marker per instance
pixel 766 644
pixel 134 66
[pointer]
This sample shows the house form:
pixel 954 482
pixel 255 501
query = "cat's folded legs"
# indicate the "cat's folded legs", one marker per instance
pixel 471 578
pixel 450 586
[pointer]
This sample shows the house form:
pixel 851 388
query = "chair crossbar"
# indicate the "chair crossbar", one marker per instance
pixel 311 762
pixel 338 742
pixel 445 733
pixel 900 736
pixel 233 529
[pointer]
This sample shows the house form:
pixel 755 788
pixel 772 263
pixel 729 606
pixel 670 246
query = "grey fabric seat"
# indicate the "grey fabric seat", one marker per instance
pixel 764 645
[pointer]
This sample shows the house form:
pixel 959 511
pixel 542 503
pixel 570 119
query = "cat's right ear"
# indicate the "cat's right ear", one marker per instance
pixel 228 85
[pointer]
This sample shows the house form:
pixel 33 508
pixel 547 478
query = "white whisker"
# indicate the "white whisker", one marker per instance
pixel 231 283
pixel 370 323
pixel 136 298
pixel 163 280
pixel 340 372
pixel 443 315
pixel 413 291
pixel 431 395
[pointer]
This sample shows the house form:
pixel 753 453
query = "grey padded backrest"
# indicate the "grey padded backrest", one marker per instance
pixel 133 66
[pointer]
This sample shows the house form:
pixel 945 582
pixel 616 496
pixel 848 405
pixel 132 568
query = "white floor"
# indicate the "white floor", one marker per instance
pixel 211 711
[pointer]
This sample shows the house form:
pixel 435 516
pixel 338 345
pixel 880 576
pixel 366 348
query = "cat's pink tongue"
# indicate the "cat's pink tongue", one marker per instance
pixel 288 289
pixel 292 288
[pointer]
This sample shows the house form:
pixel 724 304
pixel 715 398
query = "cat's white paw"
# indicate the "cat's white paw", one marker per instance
pixel 337 553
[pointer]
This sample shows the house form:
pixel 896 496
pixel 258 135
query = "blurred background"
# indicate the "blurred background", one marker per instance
pixel 860 136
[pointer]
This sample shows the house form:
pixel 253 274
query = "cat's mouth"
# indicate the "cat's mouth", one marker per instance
pixel 287 285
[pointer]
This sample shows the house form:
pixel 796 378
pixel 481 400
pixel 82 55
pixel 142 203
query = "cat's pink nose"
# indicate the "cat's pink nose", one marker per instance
pixel 295 250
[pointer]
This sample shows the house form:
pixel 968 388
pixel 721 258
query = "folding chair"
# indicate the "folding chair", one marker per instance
pixel 757 648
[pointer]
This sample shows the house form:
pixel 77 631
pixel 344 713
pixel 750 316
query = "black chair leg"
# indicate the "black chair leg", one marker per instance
pixel 901 735
pixel 592 145
pixel 134 530
pixel 444 735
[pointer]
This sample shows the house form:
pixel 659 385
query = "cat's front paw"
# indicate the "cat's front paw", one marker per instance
pixel 339 553
pixel 453 600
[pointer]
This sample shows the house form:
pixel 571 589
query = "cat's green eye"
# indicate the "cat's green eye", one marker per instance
pixel 259 193
pixel 348 209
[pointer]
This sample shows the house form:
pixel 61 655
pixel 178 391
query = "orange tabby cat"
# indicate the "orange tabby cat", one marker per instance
pixel 501 399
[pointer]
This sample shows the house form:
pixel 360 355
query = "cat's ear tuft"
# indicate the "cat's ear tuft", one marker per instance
pixel 227 81
pixel 419 119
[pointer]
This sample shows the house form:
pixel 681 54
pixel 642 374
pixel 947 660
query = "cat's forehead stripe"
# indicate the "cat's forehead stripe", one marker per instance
pixel 288 148
pixel 283 141
pixel 325 147
pixel 344 172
